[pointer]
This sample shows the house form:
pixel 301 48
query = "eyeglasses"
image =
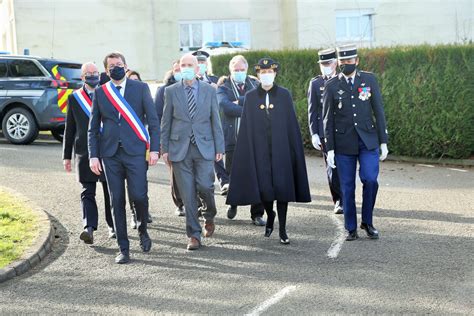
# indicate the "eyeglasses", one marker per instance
pixel 110 67
pixel 95 73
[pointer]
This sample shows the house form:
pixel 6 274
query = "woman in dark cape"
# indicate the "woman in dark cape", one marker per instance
pixel 269 163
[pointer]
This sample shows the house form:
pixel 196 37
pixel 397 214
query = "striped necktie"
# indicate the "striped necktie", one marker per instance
pixel 192 108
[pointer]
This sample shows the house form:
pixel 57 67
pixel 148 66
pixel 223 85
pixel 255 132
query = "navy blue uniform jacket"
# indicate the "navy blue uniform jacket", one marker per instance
pixel 269 161
pixel 349 115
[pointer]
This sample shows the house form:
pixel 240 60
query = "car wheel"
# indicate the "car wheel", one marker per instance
pixel 19 126
pixel 58 134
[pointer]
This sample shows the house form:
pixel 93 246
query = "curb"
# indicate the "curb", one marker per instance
pixel 465 163
pixel 36 253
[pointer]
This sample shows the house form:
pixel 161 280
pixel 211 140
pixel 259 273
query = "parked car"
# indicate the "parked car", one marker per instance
pixel 33 95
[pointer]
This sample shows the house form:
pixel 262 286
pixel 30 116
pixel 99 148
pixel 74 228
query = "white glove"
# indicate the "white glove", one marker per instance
pixel 383 151
pixel 330 159
pixel 316 141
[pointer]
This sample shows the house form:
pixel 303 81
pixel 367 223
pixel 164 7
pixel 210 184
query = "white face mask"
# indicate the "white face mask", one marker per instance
pixel 326 70
pixel 267 79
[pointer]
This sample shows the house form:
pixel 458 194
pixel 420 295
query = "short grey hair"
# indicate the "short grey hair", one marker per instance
pixel 236 59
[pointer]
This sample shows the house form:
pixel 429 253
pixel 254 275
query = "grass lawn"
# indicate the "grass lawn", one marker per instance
pixel 18 228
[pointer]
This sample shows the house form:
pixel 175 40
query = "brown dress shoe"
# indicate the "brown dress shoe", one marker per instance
pixel 209 228
pixel 194 243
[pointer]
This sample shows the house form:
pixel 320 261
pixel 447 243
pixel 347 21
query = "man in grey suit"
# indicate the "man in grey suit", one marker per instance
pixel 192 138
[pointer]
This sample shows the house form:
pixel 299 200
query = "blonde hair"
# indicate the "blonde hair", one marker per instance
pixel 236 59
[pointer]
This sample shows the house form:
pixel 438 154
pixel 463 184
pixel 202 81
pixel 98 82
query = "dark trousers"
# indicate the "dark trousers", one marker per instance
pixel 282 210
pixel 90 214
pixel 368 173
pixel 333 180
pixel 256 210
pixel 119 168
pixel 221 173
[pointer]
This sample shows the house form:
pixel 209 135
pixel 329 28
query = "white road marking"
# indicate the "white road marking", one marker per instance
pixel 455 169
pixel 8 148
pixel 336 245
pixel 272 300
pixel 423 165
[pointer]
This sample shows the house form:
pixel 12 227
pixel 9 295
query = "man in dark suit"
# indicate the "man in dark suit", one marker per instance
pixel 230 95
pixel 125 146
pixel 75 137
pixel 203 75
pixel 192 140
pixel 327 64
pixel 355 131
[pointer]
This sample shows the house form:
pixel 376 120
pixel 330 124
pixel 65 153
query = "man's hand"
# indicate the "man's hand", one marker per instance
pixel 165 158
pixel 219 157
pixel 330 159
pixel 154 156
pixel 383 152
pixel 316 141
pixel 236 102
pixel 94 164
pixel 67 165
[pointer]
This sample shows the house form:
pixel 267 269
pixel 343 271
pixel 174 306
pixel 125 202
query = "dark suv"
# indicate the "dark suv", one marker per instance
pixel 33 95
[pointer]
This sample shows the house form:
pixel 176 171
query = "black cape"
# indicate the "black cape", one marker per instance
pixel 268 162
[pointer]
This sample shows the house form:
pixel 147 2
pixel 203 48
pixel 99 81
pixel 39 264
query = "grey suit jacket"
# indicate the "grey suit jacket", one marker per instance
pixel 177 126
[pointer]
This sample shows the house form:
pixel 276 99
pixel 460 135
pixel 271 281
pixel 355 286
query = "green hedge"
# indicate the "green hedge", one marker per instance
pixel 428 94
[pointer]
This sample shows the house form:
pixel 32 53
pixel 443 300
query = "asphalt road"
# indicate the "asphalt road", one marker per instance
pixel 423 262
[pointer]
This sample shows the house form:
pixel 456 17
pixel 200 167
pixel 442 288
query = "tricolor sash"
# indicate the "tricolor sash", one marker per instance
pixel 84 101
pixel 127 112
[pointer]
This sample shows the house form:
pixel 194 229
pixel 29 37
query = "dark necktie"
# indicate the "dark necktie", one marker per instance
pixel 192 108
pixel 350 82
pixel 241 88
pixel 118 88
pixel 91 95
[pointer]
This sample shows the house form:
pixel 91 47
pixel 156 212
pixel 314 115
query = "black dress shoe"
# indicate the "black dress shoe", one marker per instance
pixel 352 235
pixel 284 238
pixel 231 212
pixel 123 257
pixel 145 242
pixel 372 233
pixel 87 236
pixel 259 221
pixel 269 224
pixel 149 219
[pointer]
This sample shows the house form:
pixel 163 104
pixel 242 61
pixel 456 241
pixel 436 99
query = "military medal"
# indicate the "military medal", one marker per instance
pixel 262 106
pixel 270 106
pixel 340 92
pixel 364 93
pixel 339 106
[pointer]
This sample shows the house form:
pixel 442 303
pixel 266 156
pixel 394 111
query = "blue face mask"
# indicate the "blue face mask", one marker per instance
pixel 178 76
pixel 187 73
pixel 202 69
pixel 239 76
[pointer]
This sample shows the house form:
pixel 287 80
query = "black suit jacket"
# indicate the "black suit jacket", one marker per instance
pixel 75 138
pixel 350 114
pixel 115 129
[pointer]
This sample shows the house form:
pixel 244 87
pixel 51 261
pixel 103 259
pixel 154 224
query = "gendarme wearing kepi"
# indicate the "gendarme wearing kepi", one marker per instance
pixel 355 131
pixel 327 61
